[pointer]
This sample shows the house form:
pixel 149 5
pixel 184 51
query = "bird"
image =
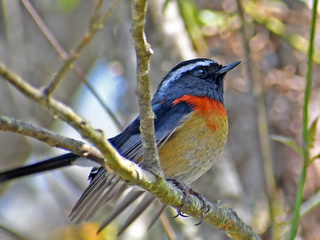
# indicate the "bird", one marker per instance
pixel 191 129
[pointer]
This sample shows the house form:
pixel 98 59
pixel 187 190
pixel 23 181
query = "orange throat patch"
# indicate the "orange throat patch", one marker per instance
pixel 211 110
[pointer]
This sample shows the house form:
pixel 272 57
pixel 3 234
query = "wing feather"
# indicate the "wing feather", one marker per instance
pixel 105 187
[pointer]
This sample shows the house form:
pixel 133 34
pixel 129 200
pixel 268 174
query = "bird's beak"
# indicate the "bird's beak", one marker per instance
pixel 228 67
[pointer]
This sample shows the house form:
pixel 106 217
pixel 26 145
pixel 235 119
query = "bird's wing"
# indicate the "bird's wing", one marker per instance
pixel 105 187
pixel 167 119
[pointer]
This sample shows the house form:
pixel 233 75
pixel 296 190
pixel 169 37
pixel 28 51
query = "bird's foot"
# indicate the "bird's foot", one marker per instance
pixel 186 199
pixel 187 192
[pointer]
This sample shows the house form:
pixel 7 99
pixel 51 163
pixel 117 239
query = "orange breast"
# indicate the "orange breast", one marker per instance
pixel 195 146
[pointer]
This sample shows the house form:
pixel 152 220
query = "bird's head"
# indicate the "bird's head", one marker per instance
pixel 197 77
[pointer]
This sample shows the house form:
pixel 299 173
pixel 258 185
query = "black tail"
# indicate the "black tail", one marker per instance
pixel 46 165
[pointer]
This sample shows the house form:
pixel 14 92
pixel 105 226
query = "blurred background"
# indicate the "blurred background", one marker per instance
pixel 256 175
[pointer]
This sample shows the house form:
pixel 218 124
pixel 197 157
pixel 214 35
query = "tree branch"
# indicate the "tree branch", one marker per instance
pixel 143 54
pixel 52 139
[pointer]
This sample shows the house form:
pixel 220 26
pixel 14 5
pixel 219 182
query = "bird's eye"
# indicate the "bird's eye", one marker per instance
pixel 199 72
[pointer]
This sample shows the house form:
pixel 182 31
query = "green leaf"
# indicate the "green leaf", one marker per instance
pixel 289 142
pixel 312 133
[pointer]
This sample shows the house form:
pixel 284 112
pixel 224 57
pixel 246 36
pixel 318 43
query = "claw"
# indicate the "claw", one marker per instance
pixel 198 223
pixel 186 200
pixel 182 215
pixel 179 213
pixel 202 214
pixel 205 207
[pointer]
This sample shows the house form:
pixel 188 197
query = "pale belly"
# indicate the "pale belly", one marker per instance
pixel 193 148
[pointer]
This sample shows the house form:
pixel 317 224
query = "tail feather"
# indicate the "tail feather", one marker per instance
pixel 43 166
pixel 124 204
pixel 84 205
pixel 156 216
pixel 103 199
pixel 143 205
pixel 103 189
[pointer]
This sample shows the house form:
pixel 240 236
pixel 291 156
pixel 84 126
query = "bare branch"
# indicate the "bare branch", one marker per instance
pixel 143 54
pixel 52 139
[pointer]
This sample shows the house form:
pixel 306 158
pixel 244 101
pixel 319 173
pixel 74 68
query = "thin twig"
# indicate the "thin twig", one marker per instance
pixel 97 12
pixel 75 53
pixel 225 219
pixel 143 54
pixel 49 36
pixel 64 55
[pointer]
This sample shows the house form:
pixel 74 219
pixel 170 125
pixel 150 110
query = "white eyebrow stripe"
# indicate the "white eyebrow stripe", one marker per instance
pixel 177 73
